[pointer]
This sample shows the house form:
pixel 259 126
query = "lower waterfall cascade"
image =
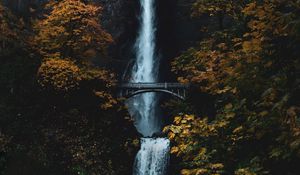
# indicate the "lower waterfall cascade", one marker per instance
pixel 153 156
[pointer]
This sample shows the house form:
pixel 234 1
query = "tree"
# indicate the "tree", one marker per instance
pixel 65 38
pixel 251 70
pixel 67 121
pixel 70 30
pixel 10 29
pixel 218 8
pixel 60 75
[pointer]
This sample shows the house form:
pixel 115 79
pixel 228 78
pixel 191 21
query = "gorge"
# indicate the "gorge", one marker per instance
pixel 152 159
pixel 211 87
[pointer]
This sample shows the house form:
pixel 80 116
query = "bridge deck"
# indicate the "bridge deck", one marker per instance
pixel 153 86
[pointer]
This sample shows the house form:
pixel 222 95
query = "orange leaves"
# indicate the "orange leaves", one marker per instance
pixel 188 133
pixel 251 46
pixel 221 61
pixel 207 67
pixel 107 100
pixel 59 75
pixel 250 68
pixel 64 76
pixel 72 34
pixel 71 28
pixel 244 171
pixel 267 18
pixel 250 9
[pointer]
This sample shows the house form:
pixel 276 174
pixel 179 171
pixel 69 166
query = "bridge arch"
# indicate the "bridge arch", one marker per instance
pixel 155 90
pixel 177 90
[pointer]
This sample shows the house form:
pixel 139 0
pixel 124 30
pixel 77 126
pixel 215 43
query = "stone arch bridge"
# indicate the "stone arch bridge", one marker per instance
pixel 177 90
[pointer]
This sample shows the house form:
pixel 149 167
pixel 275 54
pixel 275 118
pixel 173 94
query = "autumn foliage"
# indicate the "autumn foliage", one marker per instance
pixel 57 105
pixel 249 64
pixel 10 30
pixel 71 29
pixel 66 38
pixel 59 74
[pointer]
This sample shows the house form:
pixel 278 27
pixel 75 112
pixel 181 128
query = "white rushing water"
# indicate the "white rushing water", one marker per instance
pixel 143 107
pixel 152 159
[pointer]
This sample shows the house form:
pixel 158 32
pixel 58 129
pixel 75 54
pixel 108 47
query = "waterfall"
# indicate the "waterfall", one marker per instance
pixel 152 159
pixel 143 107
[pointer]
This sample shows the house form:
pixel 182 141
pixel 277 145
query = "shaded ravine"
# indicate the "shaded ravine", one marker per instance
pixel 153 157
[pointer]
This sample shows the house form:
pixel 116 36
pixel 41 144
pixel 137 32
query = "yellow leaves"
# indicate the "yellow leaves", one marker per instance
pixel 183 80
pixel 267 19
pixel 71 28
pixel 224 90
pixel 211 169
pixel 217 166
pixel 177 120
pixel 202 152
pixel 237 130
pixel 234 67
pixel 189 135
pixel 183 121
pixel 171 135
pixel 249 9
pixel 60 75
pixel 200 171
pixel 228 106
pixel 263 113
pixel 176 129
pixel 222 46
pixel 253 45
pixel 174 150
pixel 244 171
pixel 189 117
pixel 186 172
pixel 64 75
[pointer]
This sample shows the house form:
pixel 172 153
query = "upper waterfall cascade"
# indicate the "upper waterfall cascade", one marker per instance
pixel 143 107
pixel 152 159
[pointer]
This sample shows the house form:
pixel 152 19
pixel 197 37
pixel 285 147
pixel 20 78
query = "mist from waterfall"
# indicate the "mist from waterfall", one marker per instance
pixel 144 107
pixel 153 157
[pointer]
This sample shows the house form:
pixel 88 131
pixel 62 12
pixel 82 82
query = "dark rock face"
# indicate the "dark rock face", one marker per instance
pixel 177 31
pixel 119 19
pixel 188 27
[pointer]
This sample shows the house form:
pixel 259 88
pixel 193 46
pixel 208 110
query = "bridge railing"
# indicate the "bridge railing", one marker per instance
pixel 154 86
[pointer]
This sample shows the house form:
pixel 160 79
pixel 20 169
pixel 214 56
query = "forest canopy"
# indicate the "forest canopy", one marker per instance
pixel 249 65
pixel 59 107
